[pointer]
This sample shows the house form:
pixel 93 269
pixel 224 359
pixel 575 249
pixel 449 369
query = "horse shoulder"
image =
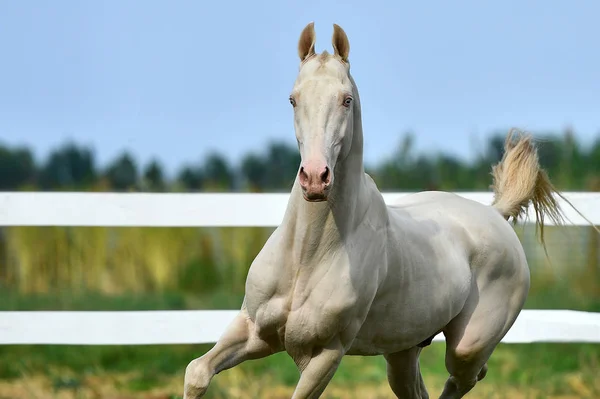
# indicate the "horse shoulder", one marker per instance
pixel 265 298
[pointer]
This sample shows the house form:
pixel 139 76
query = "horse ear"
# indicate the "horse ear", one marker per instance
pixel 306 44
pixel 341 45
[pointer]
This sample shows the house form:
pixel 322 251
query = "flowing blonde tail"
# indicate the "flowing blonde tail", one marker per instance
pixel 518 181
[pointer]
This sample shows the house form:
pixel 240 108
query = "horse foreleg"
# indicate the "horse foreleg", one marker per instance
pixel 238 344
pixel 404 374
pixel 318 370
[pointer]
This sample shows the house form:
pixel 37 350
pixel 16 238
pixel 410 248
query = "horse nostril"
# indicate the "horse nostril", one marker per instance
pixel 325 176
pixel 303 176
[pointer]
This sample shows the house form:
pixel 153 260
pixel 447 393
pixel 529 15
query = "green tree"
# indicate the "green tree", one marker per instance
pixel 122 173
pixel 191 178
pixel 154 178
pixel 593 159
pixel 218 173
pixel 282 164
pixel 254 172
pixel 69 166
pixel 17 168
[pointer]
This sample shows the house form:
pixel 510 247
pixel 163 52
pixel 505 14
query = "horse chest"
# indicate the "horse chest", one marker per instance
pixel 303 301
pixel 306 315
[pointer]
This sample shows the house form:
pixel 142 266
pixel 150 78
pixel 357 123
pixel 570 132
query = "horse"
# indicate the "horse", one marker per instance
pixel 347 274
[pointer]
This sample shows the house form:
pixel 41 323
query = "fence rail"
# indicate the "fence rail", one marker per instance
pixel 205 326
pixel 191 210
pixel 214 210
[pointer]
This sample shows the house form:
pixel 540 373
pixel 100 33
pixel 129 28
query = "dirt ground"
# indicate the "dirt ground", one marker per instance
pixel 239 386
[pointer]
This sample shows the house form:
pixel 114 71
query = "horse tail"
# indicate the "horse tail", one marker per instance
pixel 519 180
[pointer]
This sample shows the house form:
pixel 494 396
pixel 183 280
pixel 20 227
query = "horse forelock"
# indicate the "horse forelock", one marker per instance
pixel 319 64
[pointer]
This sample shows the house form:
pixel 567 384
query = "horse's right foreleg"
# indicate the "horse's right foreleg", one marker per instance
pixel 238 344
pixel 317 368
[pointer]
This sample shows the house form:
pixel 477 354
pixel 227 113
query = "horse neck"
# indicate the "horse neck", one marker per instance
pixel 318 227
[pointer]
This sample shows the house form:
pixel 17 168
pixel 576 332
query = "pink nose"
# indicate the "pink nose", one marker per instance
pixel 315 182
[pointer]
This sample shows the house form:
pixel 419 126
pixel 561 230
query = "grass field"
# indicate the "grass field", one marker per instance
pixel 515 371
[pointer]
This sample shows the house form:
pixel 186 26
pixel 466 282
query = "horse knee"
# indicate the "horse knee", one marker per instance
pixel 467 363
pixel 197 379
pixel 460 357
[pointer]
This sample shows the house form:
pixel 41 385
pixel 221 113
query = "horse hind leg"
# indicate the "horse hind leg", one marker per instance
pixel 472 336
pixel 404 374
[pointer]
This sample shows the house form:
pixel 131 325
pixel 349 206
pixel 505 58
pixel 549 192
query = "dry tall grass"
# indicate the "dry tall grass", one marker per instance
pixel 126 260
pixel 129 260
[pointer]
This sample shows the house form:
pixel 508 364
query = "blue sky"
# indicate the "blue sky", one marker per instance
pixel 178 79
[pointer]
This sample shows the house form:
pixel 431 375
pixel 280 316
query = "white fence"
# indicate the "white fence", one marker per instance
pixel 212 210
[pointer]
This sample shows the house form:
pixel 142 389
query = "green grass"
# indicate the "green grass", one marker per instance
pixel 519 366
pixel 544 366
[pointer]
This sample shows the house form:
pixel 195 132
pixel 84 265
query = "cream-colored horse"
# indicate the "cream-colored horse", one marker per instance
pixel 344 274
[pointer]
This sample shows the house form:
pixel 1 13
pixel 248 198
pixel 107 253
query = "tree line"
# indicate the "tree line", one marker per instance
pixel 571 165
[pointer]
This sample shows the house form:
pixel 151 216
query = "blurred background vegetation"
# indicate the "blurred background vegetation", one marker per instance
pixel 62 268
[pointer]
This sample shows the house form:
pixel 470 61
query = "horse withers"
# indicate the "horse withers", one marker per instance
pixel 346 274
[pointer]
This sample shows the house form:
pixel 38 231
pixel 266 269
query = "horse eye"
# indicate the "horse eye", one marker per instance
pixel 347 101
pixel 292 101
